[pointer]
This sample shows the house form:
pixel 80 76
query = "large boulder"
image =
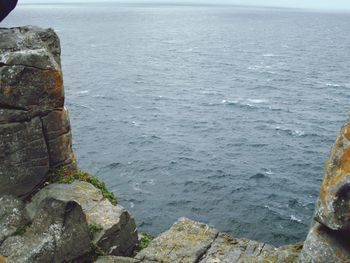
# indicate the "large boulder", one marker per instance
pixel 324 245
pixel 12 216
pixel 185 241
pixel 328 238
pixel 190 241
pixel 114 229
pixel 35 134
pixel 59 233
pixel 227 249
pixel 333 206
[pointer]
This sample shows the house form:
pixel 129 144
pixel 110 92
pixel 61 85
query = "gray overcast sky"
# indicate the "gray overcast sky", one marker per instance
pixel 315 4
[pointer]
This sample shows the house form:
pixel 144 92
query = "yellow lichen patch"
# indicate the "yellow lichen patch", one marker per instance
pixel 3 259
pixel 7 90
pixel 55 80
pixel 345 162
pixel 347 132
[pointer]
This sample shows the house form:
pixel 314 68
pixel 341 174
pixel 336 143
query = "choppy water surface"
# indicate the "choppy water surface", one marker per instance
pixel 222 114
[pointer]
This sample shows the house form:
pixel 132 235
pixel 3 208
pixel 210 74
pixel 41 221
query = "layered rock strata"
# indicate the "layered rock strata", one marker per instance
pixel 35 134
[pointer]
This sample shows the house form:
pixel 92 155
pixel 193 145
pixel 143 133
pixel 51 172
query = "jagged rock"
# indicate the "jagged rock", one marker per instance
pixel 185 241
pixel 333 206
pixel 59 233
pixel 114 259
pixel 35 133
pixel 12 216
pixel 118 234
pixel 189 241
pixel 324 245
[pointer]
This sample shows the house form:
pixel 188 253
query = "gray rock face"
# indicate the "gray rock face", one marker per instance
pixel 328 239
pixel 333 206
pixel 118 234
pixel 59 233
pixel 323 245
pixel 35 133
pixel 12 216
pixel 189 241
pixel 185 241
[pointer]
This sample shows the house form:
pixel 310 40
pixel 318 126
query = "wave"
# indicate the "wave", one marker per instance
pixel 295 219
pixel 83 92
pixel 292 132
pixel 333 85
pixel 250 103
pixel 271 55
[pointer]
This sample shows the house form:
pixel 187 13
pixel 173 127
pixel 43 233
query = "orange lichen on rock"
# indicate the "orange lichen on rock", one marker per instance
pixel 337 174
pixel 7 90
pixel 54 79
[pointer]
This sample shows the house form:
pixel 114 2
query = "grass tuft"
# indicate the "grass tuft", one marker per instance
pixel 21 230
pixel 94 228
pixel 144 242
pixel 68 176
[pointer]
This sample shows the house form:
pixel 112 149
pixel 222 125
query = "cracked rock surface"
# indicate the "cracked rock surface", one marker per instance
pixel 12 216
pixel 35 134
pixel 117 234
pixel 192 242
pixel 59 233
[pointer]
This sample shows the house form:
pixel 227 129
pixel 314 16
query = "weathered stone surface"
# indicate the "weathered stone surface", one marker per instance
pixel 24 157
pixel 324 245
pixel 228 249
pixel 185 241
pixel 59 233
pixel 12 216
pixel 189 241
pixel 118 235
pixel 333 206
pixel 58 135
pixel 114 259
pixel 35 133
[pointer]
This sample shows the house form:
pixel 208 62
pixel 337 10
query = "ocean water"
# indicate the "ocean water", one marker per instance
pixel 222 114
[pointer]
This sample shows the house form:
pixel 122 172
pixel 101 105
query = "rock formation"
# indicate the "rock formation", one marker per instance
pixel 192 242
pixel 43 221
pixel 116 233
pixel 70 221
pixel 35 134
pixel 328 239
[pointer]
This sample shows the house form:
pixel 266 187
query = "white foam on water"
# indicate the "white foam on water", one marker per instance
pixel 295 219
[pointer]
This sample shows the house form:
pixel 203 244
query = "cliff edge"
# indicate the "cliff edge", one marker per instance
pixel 50 211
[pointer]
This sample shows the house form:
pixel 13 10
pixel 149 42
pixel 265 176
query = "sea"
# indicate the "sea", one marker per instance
pixel 222 114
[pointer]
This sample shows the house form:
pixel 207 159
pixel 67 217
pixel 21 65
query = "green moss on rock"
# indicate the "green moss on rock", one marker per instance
pixel 145 240
pixel 67 176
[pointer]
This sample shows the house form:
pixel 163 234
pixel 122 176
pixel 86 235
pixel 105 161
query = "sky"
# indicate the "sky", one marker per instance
pixel 312 4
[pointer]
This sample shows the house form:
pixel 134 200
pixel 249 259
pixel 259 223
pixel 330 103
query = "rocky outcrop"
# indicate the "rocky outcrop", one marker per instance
pixel 190 241
pixel 115 229
pixel 12 216
pixel 62 222
pixel 39 221
pixel 35 133
pixel 59 233
pixel 328 239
